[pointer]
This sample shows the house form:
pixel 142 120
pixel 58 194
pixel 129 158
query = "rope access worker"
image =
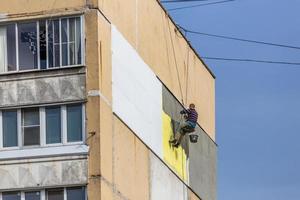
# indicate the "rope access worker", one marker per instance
pixel 188 126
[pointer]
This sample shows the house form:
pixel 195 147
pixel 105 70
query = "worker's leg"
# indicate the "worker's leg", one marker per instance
pixel 179 135
pixel 183 126
pixel 179 132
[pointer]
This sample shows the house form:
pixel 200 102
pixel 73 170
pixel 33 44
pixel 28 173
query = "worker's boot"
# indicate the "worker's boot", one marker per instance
pixel 173 141
pixel 176 144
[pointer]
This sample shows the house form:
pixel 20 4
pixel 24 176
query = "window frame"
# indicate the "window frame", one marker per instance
pixel 37 21
pixel 42 115
pixel 30 126
pixel 43 192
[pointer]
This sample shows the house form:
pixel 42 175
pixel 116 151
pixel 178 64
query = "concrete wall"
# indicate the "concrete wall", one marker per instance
pixel 203 166
pixel 149 30
pixel 42 87
pixel 41 173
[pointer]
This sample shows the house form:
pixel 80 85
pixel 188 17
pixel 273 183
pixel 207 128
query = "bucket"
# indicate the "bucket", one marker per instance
pixel 193 138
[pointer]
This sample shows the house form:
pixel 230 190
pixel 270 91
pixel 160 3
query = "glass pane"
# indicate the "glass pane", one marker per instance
pixel 64 30
pixel 43 53
pixel 56 43
pixel 27 38
pixel 10 133
pixel 64 54
pixel 32 195
pixel 53 125
pixel 78 40
pixel 57 194
pixel 64 38
pixel 31 135
pixel 74 123
pixel 11 196
pixel 57 55
pixel 72 29
pixel 31 116
pixel 56 31
pixel 72 53
pixel 3 49
pixel 50 44
pixel 72 24
pixel 76 193
pixel 11 47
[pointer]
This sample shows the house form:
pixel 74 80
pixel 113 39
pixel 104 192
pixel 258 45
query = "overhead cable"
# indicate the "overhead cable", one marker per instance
pixel 250 60
pixel 182 1
pixel 238 39
pixel 199 5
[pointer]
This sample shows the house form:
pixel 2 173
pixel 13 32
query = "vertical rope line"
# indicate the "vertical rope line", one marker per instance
pixel 176 65
pixel 187 75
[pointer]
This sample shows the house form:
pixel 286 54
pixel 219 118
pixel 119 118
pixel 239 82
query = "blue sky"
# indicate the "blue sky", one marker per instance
pixel 257 105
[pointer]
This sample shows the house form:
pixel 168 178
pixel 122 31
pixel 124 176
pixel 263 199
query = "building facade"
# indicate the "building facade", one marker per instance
pixel 90 95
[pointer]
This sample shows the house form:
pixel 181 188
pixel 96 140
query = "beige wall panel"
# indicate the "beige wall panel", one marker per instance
pixel 167 53
pixel 105 59
pixel 92 49
pixel 106 191
pixel 99 113
pixel 31 6
pixel 93 104
pixel 106 154
pixel 131 163
pixel 122 14
pixel 202 91
pixel 192 196
pixel 93 189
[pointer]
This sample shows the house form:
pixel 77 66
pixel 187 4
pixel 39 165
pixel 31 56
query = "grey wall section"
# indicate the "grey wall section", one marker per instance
pixel 202 155
pixel 42 87
pixel 202 166
pixel 172 108
pixel 40 174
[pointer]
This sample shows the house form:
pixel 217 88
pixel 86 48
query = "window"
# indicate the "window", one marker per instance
pixel 32 195
pixel 74 123
pixel 11 196
pixel 9 126
pixel 41 44
pixel 76 193
pixel 31 126
pixel 56 194
pixel 70 193
pixel 53 125
pixel 42 126
pixel 7 48
pixel 27 40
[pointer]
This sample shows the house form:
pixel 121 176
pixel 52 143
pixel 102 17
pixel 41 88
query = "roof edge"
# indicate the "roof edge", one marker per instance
pixel 193 49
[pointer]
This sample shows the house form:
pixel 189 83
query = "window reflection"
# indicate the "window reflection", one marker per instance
pixel 27 46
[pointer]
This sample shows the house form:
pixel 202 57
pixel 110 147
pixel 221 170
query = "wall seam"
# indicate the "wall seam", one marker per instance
pixel 113 153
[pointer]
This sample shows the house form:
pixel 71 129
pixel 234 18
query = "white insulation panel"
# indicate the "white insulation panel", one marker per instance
pixel 164 184
pixel 137 93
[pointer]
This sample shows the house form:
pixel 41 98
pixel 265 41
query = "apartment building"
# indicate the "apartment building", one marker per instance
pixel 90 95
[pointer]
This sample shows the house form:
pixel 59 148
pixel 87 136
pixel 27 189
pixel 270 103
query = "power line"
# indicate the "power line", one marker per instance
pixel 250 60
pixel 239 39
pixel 182 1
pixel 199 5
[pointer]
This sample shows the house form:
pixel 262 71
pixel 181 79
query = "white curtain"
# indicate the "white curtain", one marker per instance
pixel 3 60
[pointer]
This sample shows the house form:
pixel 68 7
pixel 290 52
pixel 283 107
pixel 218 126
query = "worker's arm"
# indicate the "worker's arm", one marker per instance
pixel 185 111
